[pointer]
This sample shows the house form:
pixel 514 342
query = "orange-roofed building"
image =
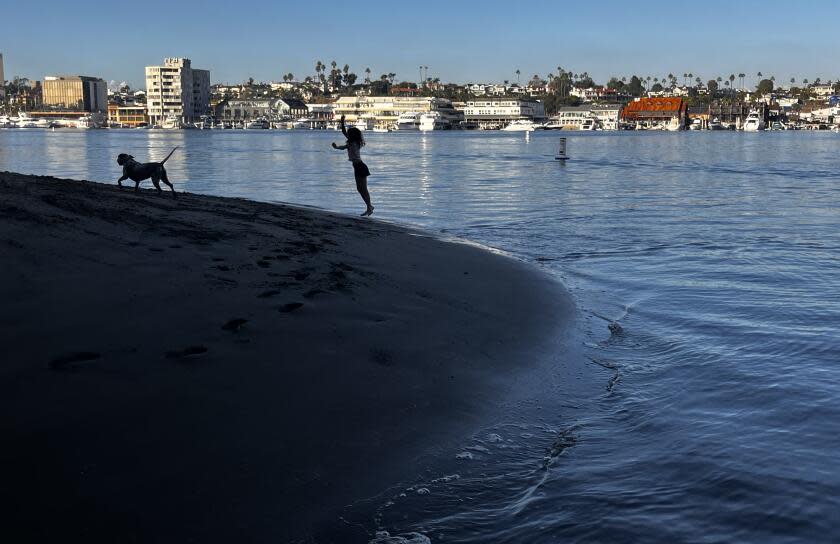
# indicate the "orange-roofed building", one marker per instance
pixel 670 113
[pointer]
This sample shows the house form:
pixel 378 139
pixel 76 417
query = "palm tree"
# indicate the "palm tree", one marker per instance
pixel 792 81
pixel 741 76
pixel 367 74
pixel 759 75
pixel 685 75
pixel 517 76
pixel 731 78
pixel 698 81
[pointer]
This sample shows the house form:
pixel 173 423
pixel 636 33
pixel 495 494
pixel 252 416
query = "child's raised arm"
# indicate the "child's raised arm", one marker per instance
pixel 343 128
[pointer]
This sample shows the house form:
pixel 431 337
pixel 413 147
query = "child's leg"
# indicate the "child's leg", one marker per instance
pixel 361 186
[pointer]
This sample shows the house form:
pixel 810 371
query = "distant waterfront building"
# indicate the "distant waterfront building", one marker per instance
pixel 234 109
pixel 499 112
pixel 605 116
pixel 77 93
pixel 177 90
pixel 657 112
pixel 383 111
pixel 129 116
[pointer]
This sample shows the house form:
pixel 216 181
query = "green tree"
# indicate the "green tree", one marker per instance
pixel 712 86
pixel 765 86
pixel 635 86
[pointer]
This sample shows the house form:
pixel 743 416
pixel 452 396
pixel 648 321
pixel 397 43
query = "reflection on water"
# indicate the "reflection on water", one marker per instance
pixel 706 271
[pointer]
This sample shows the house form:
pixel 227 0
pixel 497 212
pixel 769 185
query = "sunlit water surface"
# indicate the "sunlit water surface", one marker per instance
pixel 706 271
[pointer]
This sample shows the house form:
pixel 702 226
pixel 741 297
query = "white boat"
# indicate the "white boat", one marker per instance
pixel 836 130
pixel 674 125
pixel 260 124
pixel 588 124
pixel 754 122
pixel 715 124
pixel 696 124
pixel 381 129
pixel 304 123
pixel 520 125
pixel 776 125
pixel 434 121
pixel 409 121
pixel 364 123
pixel 24 120
pixel 171 123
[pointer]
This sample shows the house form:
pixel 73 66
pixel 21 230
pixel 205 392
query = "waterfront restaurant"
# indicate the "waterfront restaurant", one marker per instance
pixel 658 111
pixel 494 113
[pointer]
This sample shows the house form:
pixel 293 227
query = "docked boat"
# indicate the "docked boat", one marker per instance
pixel 258 124
pixel 520 125
pixel 754 122
pixel 381 129
pixel 24 120
pixel 171 123
pixel 434 121
pixel 365 123
pixel 715 124
pixel 696 124
pixel 588 124
pixel 776 125
pixel 409 121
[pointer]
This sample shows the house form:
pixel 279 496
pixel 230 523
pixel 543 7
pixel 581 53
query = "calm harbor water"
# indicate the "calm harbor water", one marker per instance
pixel 706 270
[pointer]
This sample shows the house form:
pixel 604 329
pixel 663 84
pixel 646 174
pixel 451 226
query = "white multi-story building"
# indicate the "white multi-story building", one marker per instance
pixel 177 90
pixel 499 112
pixel 384 111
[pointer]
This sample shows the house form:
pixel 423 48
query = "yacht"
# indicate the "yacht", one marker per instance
pixel 409 121
pixel 364 123
pixel 6 122
pixel 25 121
pixel 754 122
pixel 434 121
pixel 588 124
pixel 521 125
pixel 170 123
pixel 776 125
pixel 259 124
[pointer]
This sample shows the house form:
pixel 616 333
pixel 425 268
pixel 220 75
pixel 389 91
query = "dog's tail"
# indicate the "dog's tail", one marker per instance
pixel 167 157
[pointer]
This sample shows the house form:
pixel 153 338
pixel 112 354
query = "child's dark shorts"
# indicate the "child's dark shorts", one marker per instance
pixel 360 169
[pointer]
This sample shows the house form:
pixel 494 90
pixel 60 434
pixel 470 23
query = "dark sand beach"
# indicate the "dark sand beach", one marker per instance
pixel 206 369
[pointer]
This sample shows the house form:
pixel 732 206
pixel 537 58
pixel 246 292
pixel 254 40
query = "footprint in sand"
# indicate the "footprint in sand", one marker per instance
pixel 190 351
pixel 268 294
pixel 290 307
pixel 64 361
pixel 234 324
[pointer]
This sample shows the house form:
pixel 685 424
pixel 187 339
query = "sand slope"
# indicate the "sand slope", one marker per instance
pixel 204 369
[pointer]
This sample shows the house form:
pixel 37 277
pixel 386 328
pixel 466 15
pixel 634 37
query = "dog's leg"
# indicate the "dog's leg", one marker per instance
pixel 119 181
pixel 136 186
pixel 165 179
pixel 156 181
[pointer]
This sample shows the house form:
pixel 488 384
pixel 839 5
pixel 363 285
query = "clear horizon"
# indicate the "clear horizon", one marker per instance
pixel 464 42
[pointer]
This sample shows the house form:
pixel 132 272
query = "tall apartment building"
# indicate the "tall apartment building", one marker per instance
pixel 177 90
pixel 79 93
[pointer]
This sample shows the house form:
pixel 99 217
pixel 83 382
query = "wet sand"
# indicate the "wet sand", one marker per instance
pixel 207 369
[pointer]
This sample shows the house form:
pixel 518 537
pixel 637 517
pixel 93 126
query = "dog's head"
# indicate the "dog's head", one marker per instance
pixel 123 158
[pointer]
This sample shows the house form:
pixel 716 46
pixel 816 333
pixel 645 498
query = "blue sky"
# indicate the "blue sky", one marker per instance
pixel 459 40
